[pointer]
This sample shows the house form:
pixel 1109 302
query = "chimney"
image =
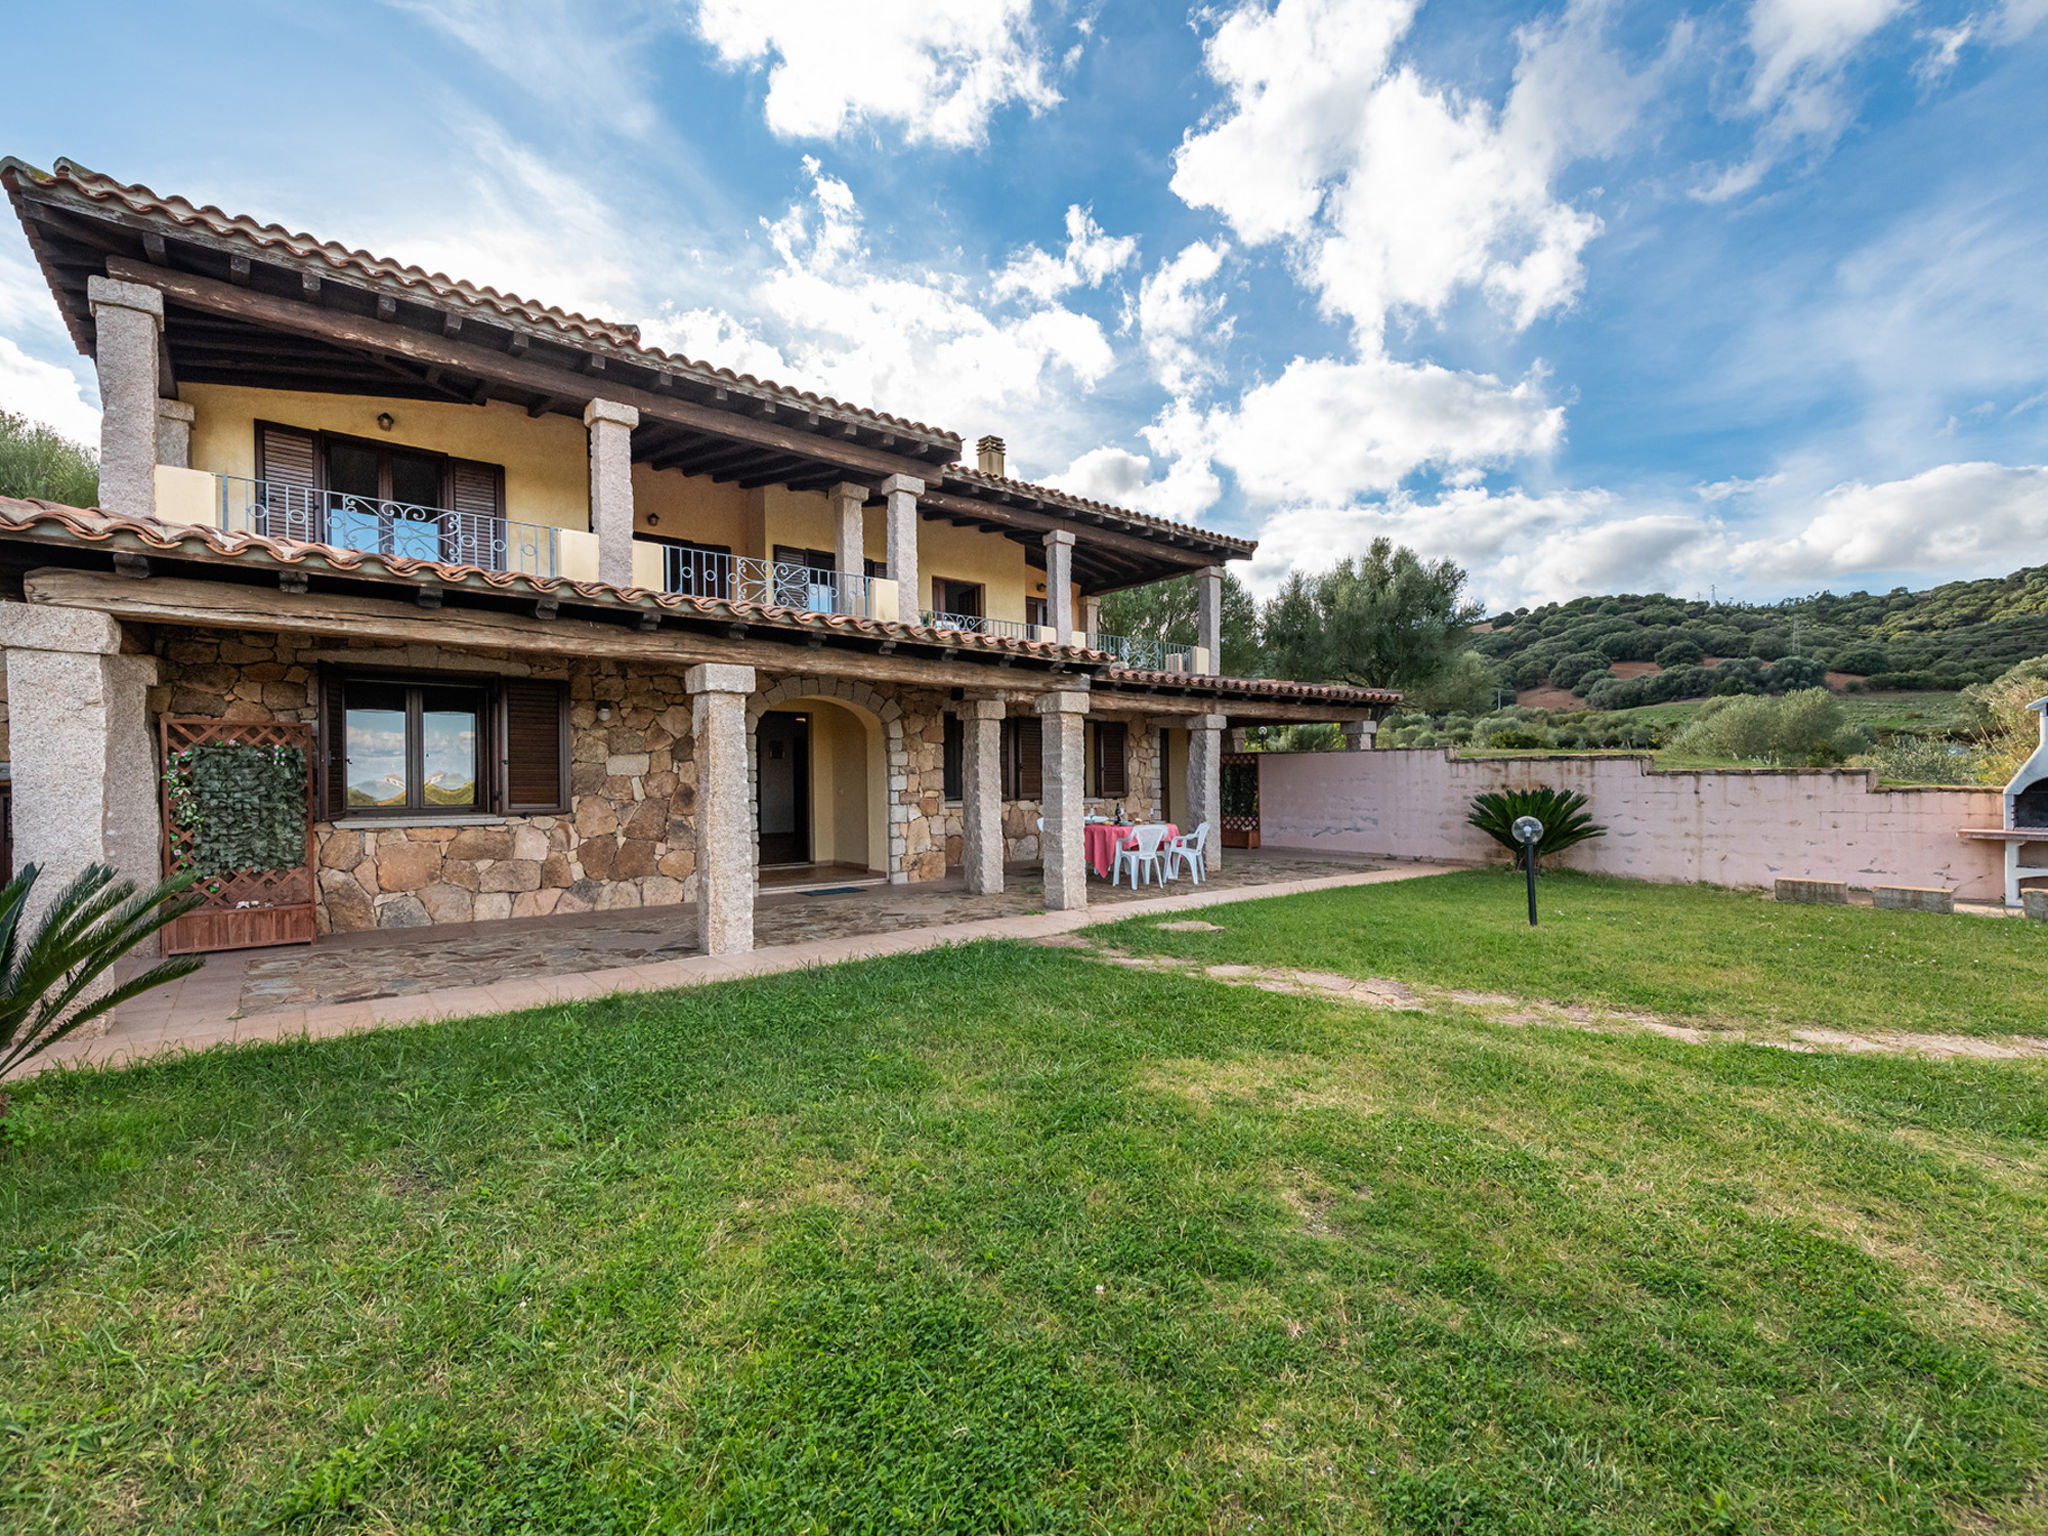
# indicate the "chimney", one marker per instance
pixel 989 456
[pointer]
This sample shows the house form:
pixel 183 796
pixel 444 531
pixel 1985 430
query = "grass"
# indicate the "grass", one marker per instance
pixel 999 1238
pixel 1694 950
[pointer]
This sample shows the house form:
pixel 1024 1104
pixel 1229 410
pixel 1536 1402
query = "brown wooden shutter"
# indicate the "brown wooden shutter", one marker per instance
pixel 287 505
pixel 536 725
pixel 1112 776
pixel 476 493
pixel 333 747
pixel 1030 758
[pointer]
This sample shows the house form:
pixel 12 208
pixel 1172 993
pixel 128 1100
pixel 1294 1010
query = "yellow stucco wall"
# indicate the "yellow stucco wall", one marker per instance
pixel 848 822
pixel 546 459
pixel 547 481
pixel 693 507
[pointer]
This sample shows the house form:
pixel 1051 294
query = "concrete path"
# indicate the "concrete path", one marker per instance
pixel 123 1044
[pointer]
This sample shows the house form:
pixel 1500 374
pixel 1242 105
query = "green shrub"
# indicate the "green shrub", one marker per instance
pixel 35 460
pixel 1923 760
pixel 1566 672
pixel 1680 653
pixel 1806 729
pixel 1563 813
pixel 1863 660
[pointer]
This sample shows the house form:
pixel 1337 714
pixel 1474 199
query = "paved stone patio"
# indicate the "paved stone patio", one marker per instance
pixel 529 963
pixel 359 967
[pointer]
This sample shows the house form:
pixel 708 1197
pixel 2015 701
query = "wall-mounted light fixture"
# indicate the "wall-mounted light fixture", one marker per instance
pixel 386 421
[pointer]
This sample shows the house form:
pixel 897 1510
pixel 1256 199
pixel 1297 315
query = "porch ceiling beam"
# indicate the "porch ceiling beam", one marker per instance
pixel 423 347
pixel 185 601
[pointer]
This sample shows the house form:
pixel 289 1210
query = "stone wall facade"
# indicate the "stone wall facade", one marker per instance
pixel 628 840
pixel 1020 817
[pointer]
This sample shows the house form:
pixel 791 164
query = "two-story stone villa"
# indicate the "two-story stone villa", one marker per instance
pixel 567 623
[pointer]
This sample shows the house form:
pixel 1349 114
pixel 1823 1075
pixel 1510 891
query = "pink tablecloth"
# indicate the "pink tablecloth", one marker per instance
pixel 1103 838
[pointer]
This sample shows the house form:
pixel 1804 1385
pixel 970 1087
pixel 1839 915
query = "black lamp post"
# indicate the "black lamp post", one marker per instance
pixel 1529 832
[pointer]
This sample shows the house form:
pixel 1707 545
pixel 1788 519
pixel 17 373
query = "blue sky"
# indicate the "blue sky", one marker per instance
pixel 1587 296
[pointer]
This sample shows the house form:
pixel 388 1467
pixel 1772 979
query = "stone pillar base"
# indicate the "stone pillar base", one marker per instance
pixel 981 804
pixel 725 807
pixel 1064 766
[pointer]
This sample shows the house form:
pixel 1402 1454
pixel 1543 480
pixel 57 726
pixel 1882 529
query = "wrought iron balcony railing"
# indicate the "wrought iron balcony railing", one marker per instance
pixel 975 624
pixel 742 579
pixel 1143 653
pixel 275 511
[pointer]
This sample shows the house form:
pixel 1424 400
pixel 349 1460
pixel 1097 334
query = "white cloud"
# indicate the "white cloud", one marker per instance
pixel 1116 475
pixel 30 384
pixel 826 315
pixel 46 393
pixel 1181 322
pixel 1956 517
pixel 1394 193
pixel 712 336
pixel 555 50
pixel 1328 431
pixel 1721 490
pixel 936 69
pixel 1516 547
pixel 1092 256
pixel 1800 49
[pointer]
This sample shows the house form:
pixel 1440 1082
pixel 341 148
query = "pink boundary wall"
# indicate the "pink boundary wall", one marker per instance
pixel 1724 828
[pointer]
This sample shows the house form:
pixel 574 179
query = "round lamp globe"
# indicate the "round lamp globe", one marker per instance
pixel 1527 829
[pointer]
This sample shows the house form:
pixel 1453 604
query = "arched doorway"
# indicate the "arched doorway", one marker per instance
pixel 821 754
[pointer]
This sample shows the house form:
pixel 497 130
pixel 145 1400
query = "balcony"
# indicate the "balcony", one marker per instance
pixel 975 624
pixel 777 583
pixel 489 543
pixel 1143 654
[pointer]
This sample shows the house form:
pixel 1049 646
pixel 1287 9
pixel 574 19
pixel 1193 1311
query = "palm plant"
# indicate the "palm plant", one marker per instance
pixel 1562 812
pixel 47 984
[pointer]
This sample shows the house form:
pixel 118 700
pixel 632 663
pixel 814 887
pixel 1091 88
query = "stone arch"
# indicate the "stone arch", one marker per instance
pixel 895 756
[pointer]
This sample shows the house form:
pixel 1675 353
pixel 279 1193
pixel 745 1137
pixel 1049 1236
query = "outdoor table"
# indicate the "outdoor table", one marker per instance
pixel 1104 838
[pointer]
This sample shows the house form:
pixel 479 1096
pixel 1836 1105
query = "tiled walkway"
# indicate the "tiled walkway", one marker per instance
pixel 364 981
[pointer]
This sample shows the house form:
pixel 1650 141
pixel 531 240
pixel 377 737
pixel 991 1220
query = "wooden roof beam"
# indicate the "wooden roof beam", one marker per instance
pixel 423 347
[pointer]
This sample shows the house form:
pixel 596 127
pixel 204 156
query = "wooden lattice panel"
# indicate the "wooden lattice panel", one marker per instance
pixel 1240 789
pixel 247 908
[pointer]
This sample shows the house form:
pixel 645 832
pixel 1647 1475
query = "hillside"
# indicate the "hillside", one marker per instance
pixel 1946 638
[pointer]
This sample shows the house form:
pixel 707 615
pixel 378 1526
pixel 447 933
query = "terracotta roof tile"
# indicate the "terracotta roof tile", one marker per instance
pixel 64 524
pixel 277 241
pixel 97 526
pixel 968 475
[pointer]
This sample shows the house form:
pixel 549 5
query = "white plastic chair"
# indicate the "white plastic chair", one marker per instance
pixel 1193 848
pixel 1142 854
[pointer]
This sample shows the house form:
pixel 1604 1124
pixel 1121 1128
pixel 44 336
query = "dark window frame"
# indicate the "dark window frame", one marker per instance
pixel 975 608
pixel 495 768
pixel 953 759
pixel 323 439
pixel 1112 742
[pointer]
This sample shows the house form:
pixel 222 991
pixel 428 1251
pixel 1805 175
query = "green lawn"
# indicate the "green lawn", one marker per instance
pixel 1724 956
pixel 1005 1239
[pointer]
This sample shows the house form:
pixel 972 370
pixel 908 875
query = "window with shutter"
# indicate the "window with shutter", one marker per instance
pixel 475 535
pixel 954 760
pixel 1030 758
pixel 287 500
pixel 536 727
pixel 333 747
pixel 1112 777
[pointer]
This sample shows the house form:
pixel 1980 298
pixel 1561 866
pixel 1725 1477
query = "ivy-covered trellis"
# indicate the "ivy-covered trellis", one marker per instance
pixel 237 806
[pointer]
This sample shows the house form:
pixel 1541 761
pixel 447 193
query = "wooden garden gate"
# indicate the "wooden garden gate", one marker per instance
pixel 236 795
pixel 1240 799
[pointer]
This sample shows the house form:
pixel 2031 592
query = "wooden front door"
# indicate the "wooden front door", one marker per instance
pixel 783 744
